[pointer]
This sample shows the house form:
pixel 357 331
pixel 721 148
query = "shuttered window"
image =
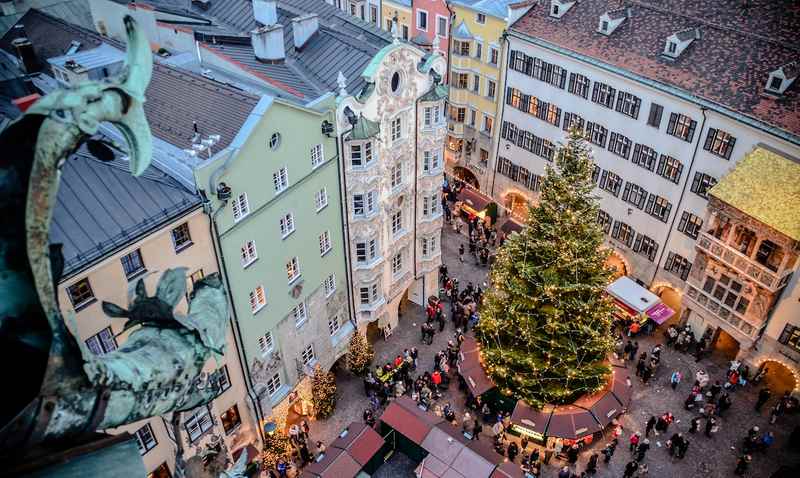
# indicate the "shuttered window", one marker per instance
pixel 658 207
pixel 603 94
pixel 720 143
pixel 646 246
pixel 628 104
pixel 681 126
pixel 669 168
pixel 645 157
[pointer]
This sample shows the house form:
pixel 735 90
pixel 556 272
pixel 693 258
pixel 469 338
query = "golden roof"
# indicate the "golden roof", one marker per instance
pixel 765 186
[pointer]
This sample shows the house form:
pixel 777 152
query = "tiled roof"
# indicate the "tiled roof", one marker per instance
pixel 342 42
pixel 462 32
pixel 765 186
pixel 51 37
pixel 728 66
pixel 102 207
pixel 72 11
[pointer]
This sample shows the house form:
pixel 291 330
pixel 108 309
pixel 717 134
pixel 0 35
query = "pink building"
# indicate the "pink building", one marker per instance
pixel 431 18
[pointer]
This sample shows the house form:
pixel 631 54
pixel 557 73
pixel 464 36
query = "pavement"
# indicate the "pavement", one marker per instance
pixel 706 457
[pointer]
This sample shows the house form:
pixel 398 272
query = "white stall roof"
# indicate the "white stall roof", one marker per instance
pixel 627 291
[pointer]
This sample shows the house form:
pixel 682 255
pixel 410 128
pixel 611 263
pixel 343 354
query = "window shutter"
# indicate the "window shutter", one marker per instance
pixel 690 134
pixel 709 139
pixel 729 150
pixel 627 192
pixel 558 116
pixel 661 163
pixel 642 199
pixel 668 262
pixel 673 117
pixel 653 250
pixel 629 239
pixel 683 221
pixel 667 211
pixel 612 143
pixel 637 152
pixel 595 92
pixel 615 230
pixel 511 58
pixel 636 104
pixel 680 171
pixel 603 179
pixel 572 82
pixel 650 202
pixel 638 244
pixel 619 103
pixel 563 79
pixel 567 120
pixel 696 182
pixel 508 95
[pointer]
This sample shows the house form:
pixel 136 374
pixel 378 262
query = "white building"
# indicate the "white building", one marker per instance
pixel 393 136
pixel 671 103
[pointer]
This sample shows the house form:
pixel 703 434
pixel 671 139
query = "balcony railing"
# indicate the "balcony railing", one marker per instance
pixel 695 293
pixel 741 263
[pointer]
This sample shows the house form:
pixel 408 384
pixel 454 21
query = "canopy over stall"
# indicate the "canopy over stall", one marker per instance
pixel 473 201
pixel 633 300
pixel 337 463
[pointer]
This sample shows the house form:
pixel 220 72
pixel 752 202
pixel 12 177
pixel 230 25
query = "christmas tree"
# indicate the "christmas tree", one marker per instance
pixel 323 392
pixel 276 447
pixel 545 327
pixel 359 354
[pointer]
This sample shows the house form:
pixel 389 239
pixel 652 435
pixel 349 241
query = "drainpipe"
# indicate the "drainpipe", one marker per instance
pixel 683 193
pixel 416 152
pixel 501 89
pixel 345 225
pixel 234 320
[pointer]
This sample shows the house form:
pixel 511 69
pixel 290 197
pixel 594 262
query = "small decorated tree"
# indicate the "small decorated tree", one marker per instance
pixel 359 354
pixel 545 328
pixel 276 447
pixel 323 392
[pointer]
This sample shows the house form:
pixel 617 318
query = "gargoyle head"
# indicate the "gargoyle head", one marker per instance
pixel 155 311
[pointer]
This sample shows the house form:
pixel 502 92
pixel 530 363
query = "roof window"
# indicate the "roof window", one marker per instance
pixel 609 21
pixel 779 80
pixel 680 41
pixel 559 7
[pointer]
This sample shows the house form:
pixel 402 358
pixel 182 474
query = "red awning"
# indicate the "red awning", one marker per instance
pixel 572 422
pixel 625 308
pixel 660 313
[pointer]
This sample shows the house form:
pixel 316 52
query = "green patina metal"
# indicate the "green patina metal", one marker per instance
pixel 436 93
pixel 65 392
pixel 364 129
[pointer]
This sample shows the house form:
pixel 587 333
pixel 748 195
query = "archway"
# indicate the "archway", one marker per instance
pixel 670 296
pixel 517 204
pixel 725 345
pixel 618 264
pixel 779 377
pixel 467 176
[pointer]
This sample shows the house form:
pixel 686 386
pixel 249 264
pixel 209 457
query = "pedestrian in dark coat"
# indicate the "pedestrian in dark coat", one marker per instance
pixel 710 425
pixel 763 396
pixel 591 466
pixel 641 450
pixel 572 454
pixel 513 451
pixel 609 450
pixel 630 469
pixel 742 463
pixel 650 424
pixel 681 451
pixel 695 425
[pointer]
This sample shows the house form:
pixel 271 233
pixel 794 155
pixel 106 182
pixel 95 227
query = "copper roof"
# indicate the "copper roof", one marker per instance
pixel 740 45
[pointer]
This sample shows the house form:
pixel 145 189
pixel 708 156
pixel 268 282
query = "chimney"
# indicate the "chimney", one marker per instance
pixel 26 54
pixel 303 27
pixel 268 43
pixel 265 12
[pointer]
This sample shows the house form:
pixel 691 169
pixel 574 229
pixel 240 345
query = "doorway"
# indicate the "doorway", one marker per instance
pixel 467 176
pixel 517 204
pixel 725 345
pixel 779 378
pixel 672 298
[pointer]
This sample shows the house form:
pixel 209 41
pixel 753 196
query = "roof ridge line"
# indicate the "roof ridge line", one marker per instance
pixel 703 22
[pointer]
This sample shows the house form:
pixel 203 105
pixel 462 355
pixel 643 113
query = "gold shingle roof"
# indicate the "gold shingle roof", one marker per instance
pixel 765 186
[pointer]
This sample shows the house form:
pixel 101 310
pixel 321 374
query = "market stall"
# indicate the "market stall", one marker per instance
pixel 405 426
pixel 451 455
pixel 634 302
pixel 475 379
pixel 510 226
pixel 472 202
pixel 336 463
pixel 364 445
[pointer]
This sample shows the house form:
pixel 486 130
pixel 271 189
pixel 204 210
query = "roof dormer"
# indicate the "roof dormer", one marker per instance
pixel 678 42
pixel 782 78
pixel 609 21
pixel 559 7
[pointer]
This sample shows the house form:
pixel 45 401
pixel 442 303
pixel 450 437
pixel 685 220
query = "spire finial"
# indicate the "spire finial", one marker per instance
pixel 342 82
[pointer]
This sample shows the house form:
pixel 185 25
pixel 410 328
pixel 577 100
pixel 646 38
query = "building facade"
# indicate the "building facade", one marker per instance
pixel 662 133
pixel 475 52
pixel 401 12
pixel 163 227
pixel 366 10
pixel 431 24
pixel 393 170
pixel 283 247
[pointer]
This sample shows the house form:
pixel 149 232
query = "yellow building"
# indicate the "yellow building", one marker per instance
pixel 116 229
pixel 475 96
pixel 401 9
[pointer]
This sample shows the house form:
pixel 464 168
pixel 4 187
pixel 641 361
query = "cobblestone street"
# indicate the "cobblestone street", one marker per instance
pixel 706 457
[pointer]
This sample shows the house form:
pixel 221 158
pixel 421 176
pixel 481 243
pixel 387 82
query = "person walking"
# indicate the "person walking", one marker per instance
pixel 461 253
pixel 634 441
pixel 641 450
pixel 513 451
pixel 694 425
pixel 742 463
pixel 591 466
pixel 477 428
pixel 630 469
pixel 572 454
pixel 711 425
pixel 763 396
pixel 675 379
pixel 609 450
pixel 649 427
pixel 643 470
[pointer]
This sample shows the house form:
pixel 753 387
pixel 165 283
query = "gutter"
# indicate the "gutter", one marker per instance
pixel 663 87
pixel 346 226
pixel 683 193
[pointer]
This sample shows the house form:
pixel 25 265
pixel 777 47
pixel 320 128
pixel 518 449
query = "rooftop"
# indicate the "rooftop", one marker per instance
pixel 101 208
pixel 766 186
pixel 717 68
pixel 342 42
pixel 73 11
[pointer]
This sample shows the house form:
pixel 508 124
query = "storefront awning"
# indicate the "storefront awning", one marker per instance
pixel 473 199
pixel 660 313
pixel 571 422
pixel 511 226
pixel 631 294
pixel 534 422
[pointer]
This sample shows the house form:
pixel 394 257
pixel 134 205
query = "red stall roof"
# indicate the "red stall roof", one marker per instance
pixel 620 386
pixel 361 442
pixel 508 470
pixel 474 199
pixel 336 464
pixel 531 418
pixel 569 421
pixel 409 420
